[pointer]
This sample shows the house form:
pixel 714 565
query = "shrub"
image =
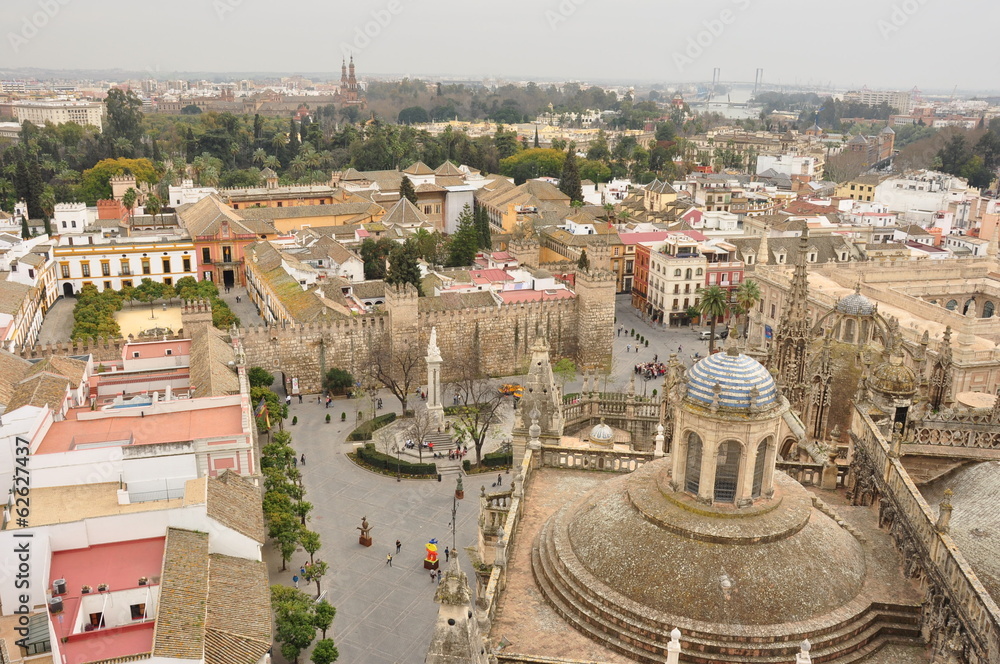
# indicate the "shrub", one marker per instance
pixel 343 417
pixel 364 432
pixel 494 459
pixel 647 343
pixel 368 455
pixel 328 418
pixel 654 392
pixel 295 420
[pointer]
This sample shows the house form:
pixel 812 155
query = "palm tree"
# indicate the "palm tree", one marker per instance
pixel 297 165
pixel 272 162
pixel 259 155
pixel 714 302
pixel 624 216
pixel 747 297
pixel 129 199
pixel 609 211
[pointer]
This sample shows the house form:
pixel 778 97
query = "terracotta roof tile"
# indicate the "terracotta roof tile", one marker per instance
pixel 234 502
pixel 180 621
pixel 238 624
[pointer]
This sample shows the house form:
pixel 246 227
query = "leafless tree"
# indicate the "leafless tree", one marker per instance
pixel 479 399
pixel 420 426
pixel 395 365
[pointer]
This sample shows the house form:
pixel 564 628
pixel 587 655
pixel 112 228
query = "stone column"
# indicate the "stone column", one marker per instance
pixel 435 410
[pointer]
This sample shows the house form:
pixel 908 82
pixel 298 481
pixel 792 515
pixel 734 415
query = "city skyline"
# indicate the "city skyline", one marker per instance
pixel 394 37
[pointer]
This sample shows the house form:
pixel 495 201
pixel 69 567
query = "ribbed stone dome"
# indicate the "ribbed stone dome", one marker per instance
pixel 737 376
pixel 601 433
pixel 856 304
pixel 893 378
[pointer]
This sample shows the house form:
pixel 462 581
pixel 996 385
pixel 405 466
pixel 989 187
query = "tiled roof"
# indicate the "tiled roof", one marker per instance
pixel 61 366
pixel 736 375
pixel 418 168
pixel 206 216
pixel 298 211
pixel 12 294
pixel 404 213
pixel 448 169
pixel 211 375
pixel 456 301
pixel 238 624
pixel 180 621
pixel 42 390
pixel 12 370
pixel 428 187
pixel 369 289
pixel 235 502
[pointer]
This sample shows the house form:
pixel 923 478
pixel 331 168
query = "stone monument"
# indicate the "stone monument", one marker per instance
pixel 366 532
pixel 435 411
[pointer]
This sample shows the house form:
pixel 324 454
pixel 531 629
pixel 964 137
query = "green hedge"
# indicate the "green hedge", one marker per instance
pixel 492 460
pixel 458 410
pixel 364 432
pixel 369 455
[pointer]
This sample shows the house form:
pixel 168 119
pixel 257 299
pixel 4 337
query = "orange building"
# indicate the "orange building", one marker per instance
pixel 220 235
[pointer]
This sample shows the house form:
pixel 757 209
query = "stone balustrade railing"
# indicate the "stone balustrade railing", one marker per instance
pixel 593 459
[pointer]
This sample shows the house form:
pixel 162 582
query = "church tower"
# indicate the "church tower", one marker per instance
pixel 343 75
pixel 791 338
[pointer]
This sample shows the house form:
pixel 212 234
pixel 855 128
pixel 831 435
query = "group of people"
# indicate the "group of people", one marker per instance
pixel 650 370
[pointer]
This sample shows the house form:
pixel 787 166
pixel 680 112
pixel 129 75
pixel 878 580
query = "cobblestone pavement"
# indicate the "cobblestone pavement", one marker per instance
pixel 384 614
pixel 244 309
pixel 58 322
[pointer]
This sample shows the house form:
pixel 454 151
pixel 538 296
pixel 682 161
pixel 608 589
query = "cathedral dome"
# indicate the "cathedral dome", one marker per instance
pixel 893 378
pixel 856 304
pixel 740 378
pixel 601 434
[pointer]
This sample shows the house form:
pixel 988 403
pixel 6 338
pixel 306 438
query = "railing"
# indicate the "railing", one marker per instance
pixel 594 459
pixel 970 601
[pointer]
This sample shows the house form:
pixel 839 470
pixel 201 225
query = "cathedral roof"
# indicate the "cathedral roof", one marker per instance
pixel 737 376
pixel 856 304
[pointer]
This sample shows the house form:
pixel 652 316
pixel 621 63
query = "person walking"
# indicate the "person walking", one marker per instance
pixel 302 460
pixel 294 460
pixel 295 580
pixel 447 554
pixel 433 575
pixel 388 559
pixel 300 398
pixel 329 400
pixel 499 479
pixel 398 545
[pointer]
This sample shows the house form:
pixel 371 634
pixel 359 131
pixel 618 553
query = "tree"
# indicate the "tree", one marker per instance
pixel 747 297
pixel 403 266
pixel 314 572
pixel 124 116
pixel 714 302
pixel 482 221
pixel 374 253
pixel 465 242
pixel 324 652
pixel 284 528
pixel 294 621
pixel 153 205
pixel 395 364
pixel 420 426
pixel 129 199
pixel 324 613
pixel 25 231
pixel 259 377
pixel 95 183
pixel 533 163
pixel 407 191
pixel 569 181
pixel 310 542
pixel 478 399
pixel 276 408
pixel 565 370
pixel 412 115
pixel 337 380
pixel 149 291
pixel 583 263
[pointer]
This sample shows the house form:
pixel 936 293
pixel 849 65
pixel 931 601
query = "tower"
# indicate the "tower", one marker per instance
pixel 343 75
pixel 434 408
pixel 791 339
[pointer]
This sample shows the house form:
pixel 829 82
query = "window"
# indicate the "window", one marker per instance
pixel 698 272
pixel 138 611
pixel 428 209
pixel 106 268
pixel 135 354
pixel 74 224
pixel 711 279
pixel 677 273
pixel 675 305
pixel 168 281
pixel 126 270
pixel 145 266
pixel 166 265
pixel 727 471
pixel 437 208
pixel 65 271
pixel 206 255
pixel 758 469
pixel 692 466
pixel 750 260
pixel 687 273
pixel 107 285
pixel 207 275
pixel 86 269
pixel 31 273
pixel 126 283
pixel 64 224
pixel 772 311
pixel 170 351
pixel 227 254
pixel 812 258
pixel 187 264
pixel 280 204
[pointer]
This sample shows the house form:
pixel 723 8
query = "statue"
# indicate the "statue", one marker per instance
pixel 459 489
pixel 366 532
pixel 431 560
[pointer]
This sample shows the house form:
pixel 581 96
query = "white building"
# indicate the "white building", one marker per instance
pixel 901 101
pixel 790 164
pixel 867 213
pixel 188 193
pixel 72 218
pixel 28 288
pixel 59 112
pixel 109 262
pixel 924 191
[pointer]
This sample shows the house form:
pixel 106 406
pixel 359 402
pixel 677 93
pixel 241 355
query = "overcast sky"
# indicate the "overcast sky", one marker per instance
pixel 879 43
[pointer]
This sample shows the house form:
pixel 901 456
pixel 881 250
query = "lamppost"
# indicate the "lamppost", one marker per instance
pixel 396 448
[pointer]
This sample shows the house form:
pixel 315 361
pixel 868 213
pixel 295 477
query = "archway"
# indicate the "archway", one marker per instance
pixel 692 468
pixel 727 471
pixel 988 309
pixel 952 305
pixel 68 289
pixel 849 331
pixel 758 468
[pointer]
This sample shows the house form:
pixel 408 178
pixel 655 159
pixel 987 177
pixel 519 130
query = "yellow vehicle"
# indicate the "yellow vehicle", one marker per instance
pixel 512 390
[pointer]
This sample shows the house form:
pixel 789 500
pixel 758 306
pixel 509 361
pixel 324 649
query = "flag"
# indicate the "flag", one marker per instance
pixel 262 410
pixel 768 332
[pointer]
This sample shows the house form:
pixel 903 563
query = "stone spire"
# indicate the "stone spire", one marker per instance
pixel 456 638
pixel 791 338
pixel 762 248
pixel 435 410
pixel 541 396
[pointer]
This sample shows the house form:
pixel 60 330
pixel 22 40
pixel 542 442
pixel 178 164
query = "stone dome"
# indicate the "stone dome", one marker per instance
pixel 737 376
pixel 601 433
pixel 856 304
pixel 893 378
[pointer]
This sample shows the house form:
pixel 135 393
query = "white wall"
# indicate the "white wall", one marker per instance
pixel 455 200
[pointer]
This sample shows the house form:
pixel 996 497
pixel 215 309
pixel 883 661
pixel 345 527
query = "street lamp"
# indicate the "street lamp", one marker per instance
pixel 396 447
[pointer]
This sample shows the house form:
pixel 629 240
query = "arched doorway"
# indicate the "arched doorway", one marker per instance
pixel 758 468
pixel 692 469
pixel 68 289
pixel 727 471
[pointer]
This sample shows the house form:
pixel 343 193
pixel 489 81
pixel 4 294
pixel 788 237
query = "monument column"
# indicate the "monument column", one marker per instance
pixel 435 410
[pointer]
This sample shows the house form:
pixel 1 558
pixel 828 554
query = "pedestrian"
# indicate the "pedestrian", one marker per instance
pixel 679 349
pixel 628 348
pixel 637 349
pixel 295 580
pixel 655 356
pixel 433 575
pixel 328 400
pixel 499 479
pixel 302 570
pixel 398 545
pixel 447 554
pixel 294 462
pixel 303 460
pixel 388 559
pixel 288 399
pixel 300 398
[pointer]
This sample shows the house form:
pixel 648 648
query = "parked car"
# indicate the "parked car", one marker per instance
pixel 720 333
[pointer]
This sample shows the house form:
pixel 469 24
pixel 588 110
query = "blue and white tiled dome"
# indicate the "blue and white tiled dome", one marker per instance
pixel 737 375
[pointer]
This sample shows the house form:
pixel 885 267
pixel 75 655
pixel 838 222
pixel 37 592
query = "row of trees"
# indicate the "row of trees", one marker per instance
pixel 716 302
pixel 297 616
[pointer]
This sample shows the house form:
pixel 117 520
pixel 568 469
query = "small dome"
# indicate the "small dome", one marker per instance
pixel 856 304
pixel 737 376
pixel 267 174
pixel 893 378
pixel 601 433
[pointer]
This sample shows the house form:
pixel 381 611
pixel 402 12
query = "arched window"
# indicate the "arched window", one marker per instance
pixel 692 469
pixel 677 273
pixel 968 303
pixel 988 309
pixel 687 273
pixel 727 471
pixel 698 273
pixel 849 330
pixel 758 468
pixel 933 301
pixel 951 306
